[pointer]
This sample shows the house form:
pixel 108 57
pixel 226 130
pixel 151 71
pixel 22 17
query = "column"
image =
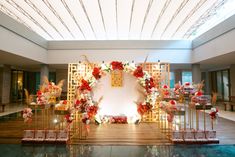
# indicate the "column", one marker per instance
pixel 178 75
pixel 44 72
pixel 207 83
pixel 5 84
pixel 62 74
pixel 196 73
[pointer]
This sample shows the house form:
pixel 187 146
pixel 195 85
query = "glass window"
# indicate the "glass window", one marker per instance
pixel 186 76
pixel 52 77
pixel 172 79
pixel 37 81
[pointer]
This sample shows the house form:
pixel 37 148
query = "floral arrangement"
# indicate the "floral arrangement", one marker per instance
pixel 118 119
pixel 214 113
pixel 143 108
pixel 27 115
pixel 84 102
pixel 62 105
pixel 69 118
pixel 185 89
pixel 199 98
pixel 169 107
pixel 41 99
pixel 116 65
pixel 138 72
pixel 165 91
pixel 48 92
pixel 188 88
pixel 178 89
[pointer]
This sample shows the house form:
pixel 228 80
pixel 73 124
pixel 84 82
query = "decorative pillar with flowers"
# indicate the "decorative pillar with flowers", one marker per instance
pixel 213 115
pixel 47 96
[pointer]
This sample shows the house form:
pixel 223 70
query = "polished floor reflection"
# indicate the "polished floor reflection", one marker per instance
pixel 17 150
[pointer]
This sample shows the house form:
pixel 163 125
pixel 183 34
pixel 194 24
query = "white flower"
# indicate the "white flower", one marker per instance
pixel 57 105
pixel 24 115
pixel 105 67
pixel 213 109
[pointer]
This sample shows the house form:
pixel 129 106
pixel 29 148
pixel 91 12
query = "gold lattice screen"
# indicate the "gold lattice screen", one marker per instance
pixel 75 71
pixel 161 75
pixel 159 71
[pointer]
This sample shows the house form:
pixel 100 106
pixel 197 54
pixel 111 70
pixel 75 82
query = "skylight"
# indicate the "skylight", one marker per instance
pixel 118 19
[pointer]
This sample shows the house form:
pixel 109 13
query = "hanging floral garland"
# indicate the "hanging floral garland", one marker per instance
pixel 84 101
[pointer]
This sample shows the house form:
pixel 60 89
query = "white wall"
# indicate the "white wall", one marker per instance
pixel 15 44
pixel 118 100
pixel 219 46
pixel 71 56
pixel 174 51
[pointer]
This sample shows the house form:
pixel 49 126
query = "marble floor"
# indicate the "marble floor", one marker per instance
pixel 116 151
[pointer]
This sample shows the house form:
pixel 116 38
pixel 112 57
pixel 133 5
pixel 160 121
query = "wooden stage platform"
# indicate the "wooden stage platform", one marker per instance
pixel 11 131
pixel 124 134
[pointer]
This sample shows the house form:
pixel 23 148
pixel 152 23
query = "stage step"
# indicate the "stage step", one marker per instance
pixel 122 141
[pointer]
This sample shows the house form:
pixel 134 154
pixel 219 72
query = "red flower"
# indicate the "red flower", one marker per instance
pixel 172 102
pixel 213 114
pixel 165 87
pixel 119 119
pixel 85 119
pixel 143 108
pixel 187 84
pixel 80 105
pixel 166 93
pixel 96 73
pixel 199 93
pixel 67 117
pixel 138 72
pixel 149 84
pixel 117 65
pixel 65 102
pixel 39 93
pixel 92 111
pixel 77 103
pixel 85 86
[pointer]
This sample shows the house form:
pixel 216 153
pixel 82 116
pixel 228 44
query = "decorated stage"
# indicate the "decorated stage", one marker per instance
pixel 121 100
